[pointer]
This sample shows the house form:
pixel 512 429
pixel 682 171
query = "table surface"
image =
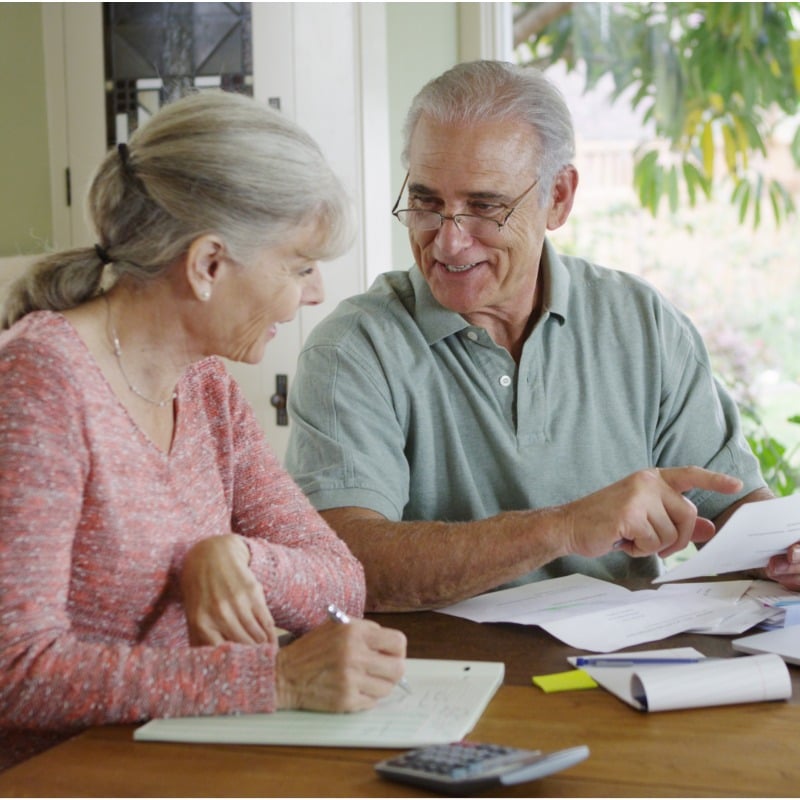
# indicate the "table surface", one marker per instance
pixel 742 750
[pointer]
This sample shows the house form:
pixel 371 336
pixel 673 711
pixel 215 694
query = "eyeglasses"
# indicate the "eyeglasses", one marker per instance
pixel 418 219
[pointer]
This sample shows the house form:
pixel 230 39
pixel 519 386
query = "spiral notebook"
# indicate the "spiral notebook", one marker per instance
pixel 447 698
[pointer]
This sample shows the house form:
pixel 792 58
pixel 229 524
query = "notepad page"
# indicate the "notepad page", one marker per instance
pixel 752 679
pixel 447 699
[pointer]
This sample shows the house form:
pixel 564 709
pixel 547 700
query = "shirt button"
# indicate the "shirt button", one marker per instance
pixel 505 380
pixel 472 336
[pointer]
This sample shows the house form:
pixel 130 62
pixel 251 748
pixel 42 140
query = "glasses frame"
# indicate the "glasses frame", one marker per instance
pixel 455 217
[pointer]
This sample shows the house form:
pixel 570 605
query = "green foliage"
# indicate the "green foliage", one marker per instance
pixel 778 465
pixel 712 81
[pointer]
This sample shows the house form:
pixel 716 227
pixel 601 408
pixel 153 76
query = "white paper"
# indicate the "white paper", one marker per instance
pixel 751 679
pixel 634 623
pixel 591 614
pixel 744 611
pixel 447 698
pixel 754 533
pixel 784 642
pixel 712 682
pixel 532 603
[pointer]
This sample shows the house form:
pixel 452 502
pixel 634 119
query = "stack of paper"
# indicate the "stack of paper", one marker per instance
pixel 591 614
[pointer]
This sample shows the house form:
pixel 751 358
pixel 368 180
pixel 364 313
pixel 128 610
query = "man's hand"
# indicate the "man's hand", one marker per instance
pixel 785 568
pixel 645 513
pixel 222 598
pixel 340 667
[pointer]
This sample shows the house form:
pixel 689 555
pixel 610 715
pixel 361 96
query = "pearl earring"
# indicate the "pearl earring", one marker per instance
pixel 205 295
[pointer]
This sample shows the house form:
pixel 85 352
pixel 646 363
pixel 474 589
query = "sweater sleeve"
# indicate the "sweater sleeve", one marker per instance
pixel 54 677
pixel 299 560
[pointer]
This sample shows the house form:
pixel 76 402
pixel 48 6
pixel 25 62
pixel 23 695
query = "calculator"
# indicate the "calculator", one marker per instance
pixel 462 768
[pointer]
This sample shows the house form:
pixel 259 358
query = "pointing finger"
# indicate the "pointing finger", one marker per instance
pixel 682 479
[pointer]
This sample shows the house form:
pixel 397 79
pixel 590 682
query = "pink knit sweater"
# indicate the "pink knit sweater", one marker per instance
pixel 95 521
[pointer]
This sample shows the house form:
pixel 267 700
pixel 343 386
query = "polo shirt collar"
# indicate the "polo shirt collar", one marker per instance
pixel 556 282
pixel 437 322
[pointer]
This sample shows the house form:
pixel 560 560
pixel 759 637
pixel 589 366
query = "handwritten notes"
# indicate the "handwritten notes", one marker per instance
pixel 447 699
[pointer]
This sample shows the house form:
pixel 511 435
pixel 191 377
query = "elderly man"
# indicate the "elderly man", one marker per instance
pixel 500 413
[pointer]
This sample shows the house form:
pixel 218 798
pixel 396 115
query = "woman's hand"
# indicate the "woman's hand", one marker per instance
pixel 340 667
pixel 222 598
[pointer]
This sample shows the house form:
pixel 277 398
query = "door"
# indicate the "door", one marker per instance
pixel 325 63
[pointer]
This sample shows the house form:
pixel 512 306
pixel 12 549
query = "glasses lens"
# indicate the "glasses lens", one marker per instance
pixel 419 220
pixel 481 227
pixel 430 221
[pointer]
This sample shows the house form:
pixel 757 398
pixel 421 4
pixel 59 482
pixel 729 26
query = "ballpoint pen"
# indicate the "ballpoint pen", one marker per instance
pixel 337 615
pixel 583 661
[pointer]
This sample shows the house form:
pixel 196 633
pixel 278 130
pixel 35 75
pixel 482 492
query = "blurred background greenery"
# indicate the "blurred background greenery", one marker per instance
pixel 688 139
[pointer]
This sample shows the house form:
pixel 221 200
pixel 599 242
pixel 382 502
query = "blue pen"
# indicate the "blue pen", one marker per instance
pixel 582 661
pixel 337 615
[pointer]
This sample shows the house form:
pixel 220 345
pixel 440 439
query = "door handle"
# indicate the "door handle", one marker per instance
pixel 278 400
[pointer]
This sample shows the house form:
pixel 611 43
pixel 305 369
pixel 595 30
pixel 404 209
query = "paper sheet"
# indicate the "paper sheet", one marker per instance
pixel 607 630
pixel 447 699
pixel 667 687
pixel 753 534
pixel 533 603
pixel 591 614
pixel 784 642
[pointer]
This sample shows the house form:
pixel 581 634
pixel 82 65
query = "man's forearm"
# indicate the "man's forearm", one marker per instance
pixel 416 565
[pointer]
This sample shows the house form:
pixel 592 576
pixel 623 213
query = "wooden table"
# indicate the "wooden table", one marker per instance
pixel 746 750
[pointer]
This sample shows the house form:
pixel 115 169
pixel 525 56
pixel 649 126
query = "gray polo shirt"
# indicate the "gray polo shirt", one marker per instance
pixel 401 406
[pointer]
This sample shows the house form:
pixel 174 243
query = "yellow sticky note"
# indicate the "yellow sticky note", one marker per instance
pixel 564 681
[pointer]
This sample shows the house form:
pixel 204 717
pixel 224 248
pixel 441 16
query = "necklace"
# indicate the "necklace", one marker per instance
pixel 118 354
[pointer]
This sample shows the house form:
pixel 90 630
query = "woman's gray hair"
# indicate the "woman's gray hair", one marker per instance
pixel 212 162
pixel 488 91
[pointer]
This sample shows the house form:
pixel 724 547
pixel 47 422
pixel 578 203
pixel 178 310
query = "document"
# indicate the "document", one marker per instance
pixel 592 614
pixel 447 698
pixel 709 682
pixel 535 603
pixel 634 623
pixel 754 533
pixel 784 642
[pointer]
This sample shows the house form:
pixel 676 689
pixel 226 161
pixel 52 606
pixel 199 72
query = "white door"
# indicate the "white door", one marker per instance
pixel 327 64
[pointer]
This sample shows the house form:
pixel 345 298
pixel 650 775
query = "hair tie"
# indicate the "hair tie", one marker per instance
pixel 123 151
pixel 102 254
pixel 125 160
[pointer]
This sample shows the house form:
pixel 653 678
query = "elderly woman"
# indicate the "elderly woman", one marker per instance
pixel 150 543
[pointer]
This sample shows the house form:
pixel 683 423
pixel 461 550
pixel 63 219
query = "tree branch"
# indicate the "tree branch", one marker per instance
pixel 537 18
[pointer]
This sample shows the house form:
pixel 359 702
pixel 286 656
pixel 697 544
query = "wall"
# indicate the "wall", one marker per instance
pixel 25 215
pixel 422 42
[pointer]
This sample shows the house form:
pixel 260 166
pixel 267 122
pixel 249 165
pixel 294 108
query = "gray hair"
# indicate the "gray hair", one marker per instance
pixel 483 91
pixel 212 162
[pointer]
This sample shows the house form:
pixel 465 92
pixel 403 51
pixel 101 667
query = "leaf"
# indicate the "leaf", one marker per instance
pixel 744 199
pixel 730 149
pixel 707 147
pixel 672 189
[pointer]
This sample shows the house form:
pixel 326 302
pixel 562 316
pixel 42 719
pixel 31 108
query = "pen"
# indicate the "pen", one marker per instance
pixel 582 661
pixel 337 615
